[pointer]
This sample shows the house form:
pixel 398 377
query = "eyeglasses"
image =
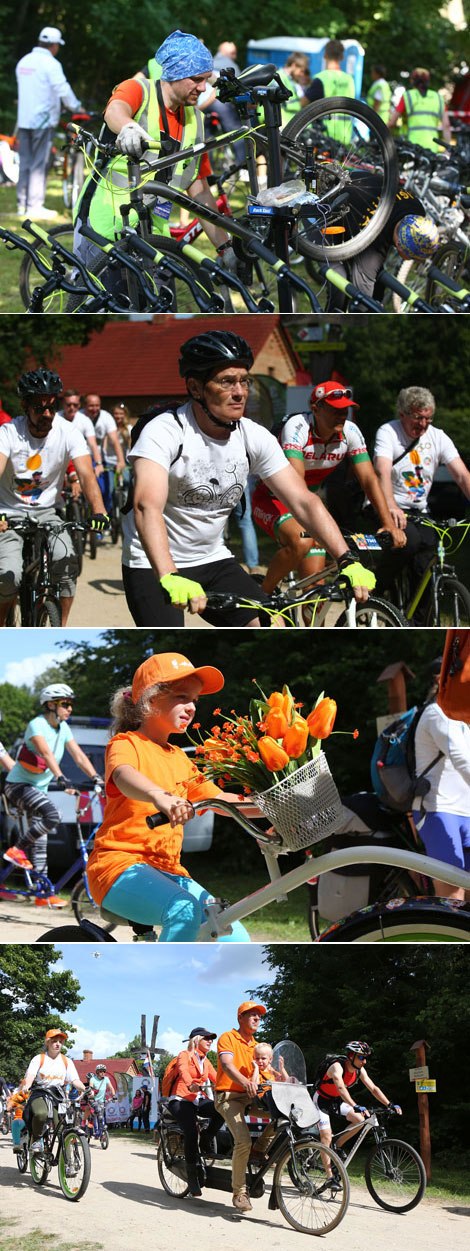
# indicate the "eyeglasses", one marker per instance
pixel 229 384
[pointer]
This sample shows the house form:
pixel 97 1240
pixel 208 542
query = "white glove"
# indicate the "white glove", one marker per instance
pixel 130 140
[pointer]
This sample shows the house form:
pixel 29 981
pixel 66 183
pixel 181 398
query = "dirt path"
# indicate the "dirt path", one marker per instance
pixel 24 922
pixel 125 1206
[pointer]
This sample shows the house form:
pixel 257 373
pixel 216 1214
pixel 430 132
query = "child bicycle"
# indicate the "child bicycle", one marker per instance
pixel 309 1199
pixel 64 1146
pixel 394 1172
pixel 312 820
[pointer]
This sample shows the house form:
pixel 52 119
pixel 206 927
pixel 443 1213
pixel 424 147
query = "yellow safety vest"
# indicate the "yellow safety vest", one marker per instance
pixel 423 115
pixel 338 83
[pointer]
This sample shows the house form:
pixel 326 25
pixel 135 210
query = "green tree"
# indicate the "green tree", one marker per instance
pixel 34 997
pixel 28 341
pixel 17 706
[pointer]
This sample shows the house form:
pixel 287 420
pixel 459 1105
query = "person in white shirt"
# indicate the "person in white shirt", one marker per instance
pixel 72 412
pixel 190 468
pixel 106 433
pixel 445 827
pixel 35 450
pixel 43 91
pixel 49 1069
pixel 406 455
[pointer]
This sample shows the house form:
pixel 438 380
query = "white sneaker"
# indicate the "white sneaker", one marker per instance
pixel 37 1148
pixel 43 215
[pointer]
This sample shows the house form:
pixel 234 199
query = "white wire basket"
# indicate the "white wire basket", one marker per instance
pixel 303 807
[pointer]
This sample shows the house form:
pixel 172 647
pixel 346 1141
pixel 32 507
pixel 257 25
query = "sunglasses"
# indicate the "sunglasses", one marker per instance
pixel 343 393
pixel 44 406
pixel 64 703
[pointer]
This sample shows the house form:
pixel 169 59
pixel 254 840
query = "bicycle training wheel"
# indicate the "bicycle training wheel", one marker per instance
pixel 353 152
pixel 310 1201
pixel 29 276
pixel 38 1168
pixel 22 1160
pixel 395 1175
pixel 173 1184
pixel 405 921
pixel 375 614
pixel 453 259
pixel 453 604
pixel 85 908
pixel 48 613
pixel 74 1165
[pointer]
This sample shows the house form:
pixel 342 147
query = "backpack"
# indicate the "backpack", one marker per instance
pixel 324 1066
pixel 454 681
pixel 393 764
pixel 169 1077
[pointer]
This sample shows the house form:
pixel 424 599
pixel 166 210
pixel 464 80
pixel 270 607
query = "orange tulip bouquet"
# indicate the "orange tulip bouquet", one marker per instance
pixel 274 754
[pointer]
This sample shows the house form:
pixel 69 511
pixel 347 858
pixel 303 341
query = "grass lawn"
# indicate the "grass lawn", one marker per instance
pixel 278 922
pixel 39 1240
pixel 11 258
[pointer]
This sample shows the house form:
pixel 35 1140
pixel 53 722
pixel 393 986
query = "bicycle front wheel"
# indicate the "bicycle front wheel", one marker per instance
pixel 74 1165
pixel 404 921
pixel 173 1184
pixel 353 152
pixel 85 908
pixel 375 614
pixel 48 613
pixel 453 604
pixel 310 1201
pixel 395 1176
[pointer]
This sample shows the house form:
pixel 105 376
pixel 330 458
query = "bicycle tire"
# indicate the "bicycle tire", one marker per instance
pixel 418 920
pixel 104 1140
pixel 5 1124
pixel 72 934
pixel 412 274
pixel 396 1165
pixel 22 1160
pixel 314 1209
pixel 313 118
pixel 383 614
pixel 453 259
pixel 175 1186
pixel 29 277
pixel 402 884
pixel 39 1169
pixel 74 1145
pixel 86 909
pixel 48 613
pixel 98 268
pixel 458 595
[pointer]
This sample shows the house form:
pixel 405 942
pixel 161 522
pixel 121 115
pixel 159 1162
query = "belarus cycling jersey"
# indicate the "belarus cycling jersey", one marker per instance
pixel 298 439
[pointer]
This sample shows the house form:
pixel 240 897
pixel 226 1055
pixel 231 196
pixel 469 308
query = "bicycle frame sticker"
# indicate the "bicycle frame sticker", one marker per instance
pixel 162 208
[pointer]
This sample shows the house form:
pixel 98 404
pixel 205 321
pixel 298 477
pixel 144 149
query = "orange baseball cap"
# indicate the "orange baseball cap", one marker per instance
pixel 172 667
pixel 249 1006
pixel 55 1033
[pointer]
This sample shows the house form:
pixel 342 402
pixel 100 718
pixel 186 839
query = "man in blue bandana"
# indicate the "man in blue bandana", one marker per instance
pixel 160 108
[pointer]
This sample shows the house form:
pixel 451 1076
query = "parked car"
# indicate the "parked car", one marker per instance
pixel 92 734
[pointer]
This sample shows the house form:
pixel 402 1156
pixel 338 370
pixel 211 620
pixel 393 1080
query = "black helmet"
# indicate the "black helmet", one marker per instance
pixel 206 352
pixel 39 382
pixel 358 1049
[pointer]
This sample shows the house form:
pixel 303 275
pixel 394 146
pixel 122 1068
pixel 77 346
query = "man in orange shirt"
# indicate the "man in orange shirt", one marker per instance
pixel 236 1088
pixel 160 110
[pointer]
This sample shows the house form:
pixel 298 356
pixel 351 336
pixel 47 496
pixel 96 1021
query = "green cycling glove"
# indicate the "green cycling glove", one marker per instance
pixel 357 575
pixel 180 589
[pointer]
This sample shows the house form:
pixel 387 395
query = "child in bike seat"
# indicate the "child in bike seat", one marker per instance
pixel 133 871
pixel 265 1074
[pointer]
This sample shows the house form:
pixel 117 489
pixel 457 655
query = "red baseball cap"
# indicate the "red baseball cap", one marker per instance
pixel 334 394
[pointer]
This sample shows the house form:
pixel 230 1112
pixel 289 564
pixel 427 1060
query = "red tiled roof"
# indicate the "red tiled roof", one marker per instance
pixel 141 358
pixel 112 1066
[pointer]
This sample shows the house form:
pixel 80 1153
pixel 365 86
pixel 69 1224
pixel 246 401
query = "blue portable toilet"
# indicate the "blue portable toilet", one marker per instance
pixel 275 51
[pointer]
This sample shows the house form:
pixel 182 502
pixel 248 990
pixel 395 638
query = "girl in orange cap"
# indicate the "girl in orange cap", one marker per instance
pixel 133 871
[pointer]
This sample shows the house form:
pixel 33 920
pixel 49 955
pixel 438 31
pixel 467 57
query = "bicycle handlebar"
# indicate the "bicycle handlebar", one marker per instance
pixel 230 810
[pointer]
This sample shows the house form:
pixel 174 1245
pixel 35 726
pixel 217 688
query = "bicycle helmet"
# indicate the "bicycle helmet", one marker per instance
pixel 206 352
pixel 100 1068
pixel 57 690
pixel 358 1049
pixel 39 383
pixel 416 237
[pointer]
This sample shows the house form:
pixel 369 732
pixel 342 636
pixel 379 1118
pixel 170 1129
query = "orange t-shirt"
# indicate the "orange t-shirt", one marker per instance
pixel 124 837
pixel 242 1052
pixel 131 91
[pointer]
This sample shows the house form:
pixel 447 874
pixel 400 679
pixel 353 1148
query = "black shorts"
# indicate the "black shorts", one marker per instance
pixel 149 605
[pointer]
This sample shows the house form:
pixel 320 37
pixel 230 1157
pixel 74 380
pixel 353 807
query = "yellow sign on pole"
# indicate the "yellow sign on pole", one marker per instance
pixel 427 1087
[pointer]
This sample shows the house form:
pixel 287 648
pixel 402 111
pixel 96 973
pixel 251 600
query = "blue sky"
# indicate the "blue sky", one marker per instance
pixel 185 985
pixel 26 653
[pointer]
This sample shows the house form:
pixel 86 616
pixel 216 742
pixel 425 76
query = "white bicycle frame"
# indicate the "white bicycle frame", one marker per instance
pixel 220 918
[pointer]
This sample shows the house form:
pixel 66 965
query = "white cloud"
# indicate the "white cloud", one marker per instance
pixel 171 1041
pixel 24 672
pixel 101 1042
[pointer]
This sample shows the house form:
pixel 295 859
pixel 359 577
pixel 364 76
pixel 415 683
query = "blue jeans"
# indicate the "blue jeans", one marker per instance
pixel 151 897
pixel 247 528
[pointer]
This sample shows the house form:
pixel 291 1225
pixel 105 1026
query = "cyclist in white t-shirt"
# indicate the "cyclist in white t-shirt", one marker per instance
pixel 35 450
pixel 72 412
pixel 406 456
pixel 50 1069
pixel 107 436
pixel 191 467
